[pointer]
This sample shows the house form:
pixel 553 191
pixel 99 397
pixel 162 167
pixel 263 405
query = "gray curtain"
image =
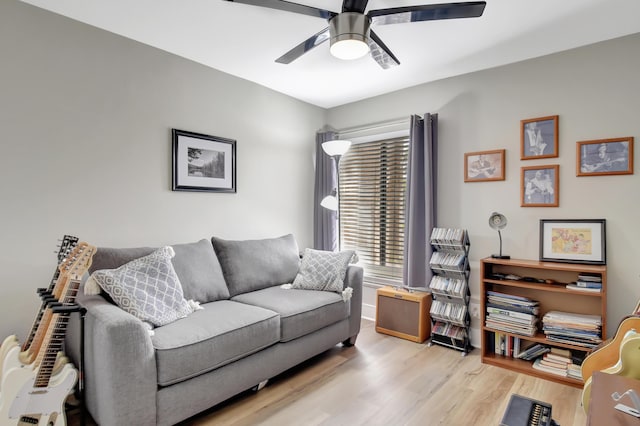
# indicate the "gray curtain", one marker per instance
pixel 420 209
pixel 325 221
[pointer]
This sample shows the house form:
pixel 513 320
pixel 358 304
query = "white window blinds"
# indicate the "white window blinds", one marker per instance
pixel 373 178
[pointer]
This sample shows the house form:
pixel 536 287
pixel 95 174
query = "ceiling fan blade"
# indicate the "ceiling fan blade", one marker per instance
pixel 304 47
pixel 381 53
pixel 354 5
pixel 429 12
pixel 289 7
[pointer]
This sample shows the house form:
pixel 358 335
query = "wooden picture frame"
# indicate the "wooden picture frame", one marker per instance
pixel 539 137
pixel 483 166
pixel 605 157
pixel 539 186
pixel 573 241
pixel 203 162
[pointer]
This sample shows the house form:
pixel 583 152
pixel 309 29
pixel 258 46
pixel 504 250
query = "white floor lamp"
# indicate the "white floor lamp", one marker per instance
pixel 336 149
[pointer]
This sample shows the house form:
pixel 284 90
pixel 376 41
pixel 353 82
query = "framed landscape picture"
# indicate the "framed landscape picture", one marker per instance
pixel 539 186
pixel 573 240
pixel 484 166
pixel 539 138
pixel 604 157
pixel 203 162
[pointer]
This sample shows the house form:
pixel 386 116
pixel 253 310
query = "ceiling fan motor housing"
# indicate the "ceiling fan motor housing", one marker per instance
pixel 349 26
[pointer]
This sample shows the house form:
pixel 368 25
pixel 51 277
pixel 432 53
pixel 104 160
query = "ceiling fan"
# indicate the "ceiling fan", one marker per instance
pixel 350 31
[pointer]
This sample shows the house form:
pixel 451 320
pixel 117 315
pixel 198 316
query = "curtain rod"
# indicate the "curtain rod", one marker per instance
pixel 374 126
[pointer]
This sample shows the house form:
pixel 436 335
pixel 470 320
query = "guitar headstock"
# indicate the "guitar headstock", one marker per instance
pixel 66 245
pixel 78 261
pixel 82 261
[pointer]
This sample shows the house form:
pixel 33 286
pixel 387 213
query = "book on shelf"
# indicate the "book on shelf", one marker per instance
pixel 510 312
pixel 595 278
pixel 504 298
pixel 537 364
pixel 533 352
pixel 584 289
pixel 588 284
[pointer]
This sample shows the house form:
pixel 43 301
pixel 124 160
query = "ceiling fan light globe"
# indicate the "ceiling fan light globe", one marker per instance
pixel 349 35
pixel 349 49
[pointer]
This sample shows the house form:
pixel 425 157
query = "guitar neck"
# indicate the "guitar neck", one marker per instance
pixel 54 338
pixel 69 242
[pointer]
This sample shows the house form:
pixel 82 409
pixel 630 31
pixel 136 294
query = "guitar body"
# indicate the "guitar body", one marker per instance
pixel 8 343
pixel 609 354
pixel 21 403
pixel 15 358
pixel 628 364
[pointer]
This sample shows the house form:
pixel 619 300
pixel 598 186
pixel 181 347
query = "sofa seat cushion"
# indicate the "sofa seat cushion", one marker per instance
pixel 223 332
pixel 301 311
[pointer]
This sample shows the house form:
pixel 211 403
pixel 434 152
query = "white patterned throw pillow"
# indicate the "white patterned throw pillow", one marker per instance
pixel 323 270
pixel 147 288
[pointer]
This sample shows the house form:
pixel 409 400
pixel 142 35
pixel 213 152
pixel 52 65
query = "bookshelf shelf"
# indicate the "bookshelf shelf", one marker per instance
pixel 450 289
pixel 549 297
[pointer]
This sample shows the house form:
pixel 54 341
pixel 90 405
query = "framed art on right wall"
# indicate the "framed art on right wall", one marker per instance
pixel 573 240
pixel 605 157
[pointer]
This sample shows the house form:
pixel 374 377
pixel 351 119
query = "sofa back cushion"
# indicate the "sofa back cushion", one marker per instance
pixel 256 264
pixel 195 264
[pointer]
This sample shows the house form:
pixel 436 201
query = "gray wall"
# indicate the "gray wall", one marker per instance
pixel 86 120
pixel 595 91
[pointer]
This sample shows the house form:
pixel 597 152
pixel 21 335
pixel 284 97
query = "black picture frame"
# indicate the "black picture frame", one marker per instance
pixel 203 163
pixel 573 241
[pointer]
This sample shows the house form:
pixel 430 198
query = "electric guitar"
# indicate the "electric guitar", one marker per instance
pixel 620 356
pixel 66 246
pixel 31 393
pixel 608 354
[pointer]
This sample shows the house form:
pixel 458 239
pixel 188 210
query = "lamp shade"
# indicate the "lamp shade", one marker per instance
pixel 336 147
pixel 330 202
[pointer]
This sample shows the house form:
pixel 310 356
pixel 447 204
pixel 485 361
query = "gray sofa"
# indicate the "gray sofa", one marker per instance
pixel 251 329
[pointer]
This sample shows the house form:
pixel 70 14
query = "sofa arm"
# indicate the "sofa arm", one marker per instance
pixel 120 366
pixel 353 279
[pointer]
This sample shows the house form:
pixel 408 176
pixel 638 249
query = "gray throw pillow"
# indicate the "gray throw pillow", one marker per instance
pixel 199 271
pixel 147 288
pixel 323 270
pixel 195 264
pixel 256 264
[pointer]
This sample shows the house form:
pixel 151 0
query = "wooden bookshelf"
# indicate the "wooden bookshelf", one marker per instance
pixel 552 296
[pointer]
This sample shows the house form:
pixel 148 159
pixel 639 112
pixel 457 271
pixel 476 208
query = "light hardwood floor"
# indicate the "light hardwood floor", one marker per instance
pixel 384 380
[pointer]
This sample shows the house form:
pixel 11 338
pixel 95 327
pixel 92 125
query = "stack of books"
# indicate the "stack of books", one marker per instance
pixel 510 313
pixel 587 282
pixel 575 329
pixel 559 362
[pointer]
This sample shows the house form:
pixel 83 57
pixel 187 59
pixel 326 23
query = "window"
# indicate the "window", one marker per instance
pixel 373 178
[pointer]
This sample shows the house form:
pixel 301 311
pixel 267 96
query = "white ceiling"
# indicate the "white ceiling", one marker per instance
pixel 245 40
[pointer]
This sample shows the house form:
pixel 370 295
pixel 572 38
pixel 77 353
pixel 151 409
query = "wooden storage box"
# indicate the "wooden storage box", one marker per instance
pixel 403 314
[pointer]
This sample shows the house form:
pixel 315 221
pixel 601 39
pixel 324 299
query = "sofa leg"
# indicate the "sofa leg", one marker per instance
pixel 260 385
pixel 350 341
